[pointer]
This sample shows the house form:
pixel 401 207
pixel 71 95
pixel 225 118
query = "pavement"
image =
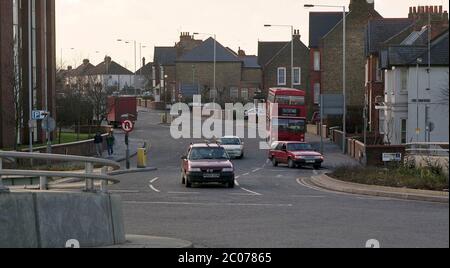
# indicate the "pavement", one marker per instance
pixel 120 147
pixel 141 241
pixel 270 207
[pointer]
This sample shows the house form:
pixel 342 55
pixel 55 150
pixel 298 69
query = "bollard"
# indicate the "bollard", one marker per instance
pixel 142 158
pixel 2 187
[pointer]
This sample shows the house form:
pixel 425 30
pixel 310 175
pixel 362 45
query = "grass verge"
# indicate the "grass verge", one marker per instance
pixel 403 176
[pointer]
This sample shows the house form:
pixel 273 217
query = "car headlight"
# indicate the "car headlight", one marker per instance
pixel 228 170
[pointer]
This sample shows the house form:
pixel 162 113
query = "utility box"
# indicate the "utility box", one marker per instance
pixel 142 158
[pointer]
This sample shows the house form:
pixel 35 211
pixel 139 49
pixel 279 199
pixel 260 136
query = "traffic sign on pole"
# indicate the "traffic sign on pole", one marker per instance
pixel 127 126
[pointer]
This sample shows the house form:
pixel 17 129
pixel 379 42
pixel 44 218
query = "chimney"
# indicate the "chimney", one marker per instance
pixel 361 5
pixel 297 34
pixel 185 36
pixel 69 68
pixel 143 61
pixel 421 15
pixel 241 53
pixel 108 59
pixel 85 61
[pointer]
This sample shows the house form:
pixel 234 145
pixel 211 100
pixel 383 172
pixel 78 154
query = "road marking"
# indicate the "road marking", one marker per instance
pixel 315 172
pixel 253 193
pixel 154 189
pixel 242 194
pixel 246 174
pixel 155 179
pixel 237 177
pixel 256 170
pixel 193 193
pixel 236 183
pixel 207 204
pixel 124 191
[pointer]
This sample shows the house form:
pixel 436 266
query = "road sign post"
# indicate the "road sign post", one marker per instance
pixel 128 127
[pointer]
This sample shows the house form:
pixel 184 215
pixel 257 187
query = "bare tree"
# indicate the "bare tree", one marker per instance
pixel 97 93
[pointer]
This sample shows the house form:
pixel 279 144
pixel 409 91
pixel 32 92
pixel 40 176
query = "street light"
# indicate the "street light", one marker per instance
pixel 215 60
pixel 344 71
pixel 292 48
pixel 135 64
pixel 418 63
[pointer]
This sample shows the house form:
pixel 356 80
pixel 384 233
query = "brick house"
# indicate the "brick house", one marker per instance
pixel 382 33
pixel 238 76
pixel 360 12
pixel 320 23
pixel 275 61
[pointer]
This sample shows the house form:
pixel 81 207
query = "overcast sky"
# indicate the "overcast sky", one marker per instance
pixel 92 27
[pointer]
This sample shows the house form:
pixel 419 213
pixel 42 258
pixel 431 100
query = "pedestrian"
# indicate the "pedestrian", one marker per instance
pixel 110 141
pixel 98 141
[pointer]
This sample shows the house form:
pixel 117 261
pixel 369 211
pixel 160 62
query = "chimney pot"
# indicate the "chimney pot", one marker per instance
pixel 85 61
pixel 440 9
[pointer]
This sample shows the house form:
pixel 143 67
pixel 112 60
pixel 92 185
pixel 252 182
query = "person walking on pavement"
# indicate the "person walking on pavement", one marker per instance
pixel 110 141
pixel 98 141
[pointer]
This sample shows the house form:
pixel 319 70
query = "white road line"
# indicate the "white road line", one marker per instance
pixel 236 183
pixel 246 174
pixel 241 194
pixel 237 177
pixel 254 193
pixel 256 170
pixel 124 191
pixel 207 204
pixel 193 193
pixel 154 189
pixel 153 181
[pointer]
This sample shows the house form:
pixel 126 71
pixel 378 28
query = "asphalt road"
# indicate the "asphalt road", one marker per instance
pixel 269 208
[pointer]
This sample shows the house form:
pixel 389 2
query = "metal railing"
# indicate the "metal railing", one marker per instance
pixel 428 149
pixel 89 176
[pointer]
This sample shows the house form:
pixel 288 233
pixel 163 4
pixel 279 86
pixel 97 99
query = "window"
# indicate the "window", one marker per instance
pixel 404 130
pixel 290 125
pixel 367 73
pixel 404 77
pixel 234 93
pixel 213 94
pixel 244 93
pixel 317 62
pixel 290 100
pixel 297 76
pixel 317 91
pixel 281 76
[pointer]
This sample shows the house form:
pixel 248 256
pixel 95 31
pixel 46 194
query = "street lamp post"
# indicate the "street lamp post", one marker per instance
pixel 135 63
pixel 292 49
pixel 418 130
pixel 215 61
pixel 344 67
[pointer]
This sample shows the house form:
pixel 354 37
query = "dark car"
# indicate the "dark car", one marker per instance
pixel 295 154
pixel 207 163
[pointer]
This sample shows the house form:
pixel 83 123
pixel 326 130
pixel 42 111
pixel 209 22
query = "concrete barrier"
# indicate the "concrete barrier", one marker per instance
pixel 50 219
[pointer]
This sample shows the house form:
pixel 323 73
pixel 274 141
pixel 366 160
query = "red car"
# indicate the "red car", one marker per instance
pixel 295 154
pixel 207 163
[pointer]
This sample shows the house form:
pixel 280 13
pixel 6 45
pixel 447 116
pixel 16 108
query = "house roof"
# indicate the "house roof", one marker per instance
pixel 108 66
pixel 165 56
pixel 380 30
pixel 417 37
pixel 408 54
pixel 321 23
pixel 250 62
pixel 83 69
pixel 147 69
pixel 205 53
pixel 266 51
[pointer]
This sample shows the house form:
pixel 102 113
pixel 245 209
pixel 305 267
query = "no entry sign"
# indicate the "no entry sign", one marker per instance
pixel 127 126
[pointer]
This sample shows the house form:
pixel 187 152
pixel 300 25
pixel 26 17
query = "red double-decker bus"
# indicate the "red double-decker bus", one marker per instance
pixel 290 117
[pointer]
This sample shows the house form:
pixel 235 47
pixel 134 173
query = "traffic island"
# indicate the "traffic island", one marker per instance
pixel 328 183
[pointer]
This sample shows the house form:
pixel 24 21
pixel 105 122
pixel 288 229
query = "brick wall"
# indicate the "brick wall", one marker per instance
pixel 301 59
pixel 356 60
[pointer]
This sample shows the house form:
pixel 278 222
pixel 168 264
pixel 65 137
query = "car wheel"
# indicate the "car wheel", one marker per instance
pixel 242 156
pixel 291 163
pixel 231 185
pixel 188 183
pixel 274 162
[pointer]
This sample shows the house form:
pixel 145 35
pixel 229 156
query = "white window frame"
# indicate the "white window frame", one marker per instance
pixel 279 82
pixel 234 93
pixel 403 80
pixel 404 132
pixel 317 61
pixel 299 82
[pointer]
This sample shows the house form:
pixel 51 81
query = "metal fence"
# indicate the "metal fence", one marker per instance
pixel 89 176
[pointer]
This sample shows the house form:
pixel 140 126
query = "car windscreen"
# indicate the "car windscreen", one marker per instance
pixel 294 147
pixel 290 100
pixel 230 141
pixel 208 153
